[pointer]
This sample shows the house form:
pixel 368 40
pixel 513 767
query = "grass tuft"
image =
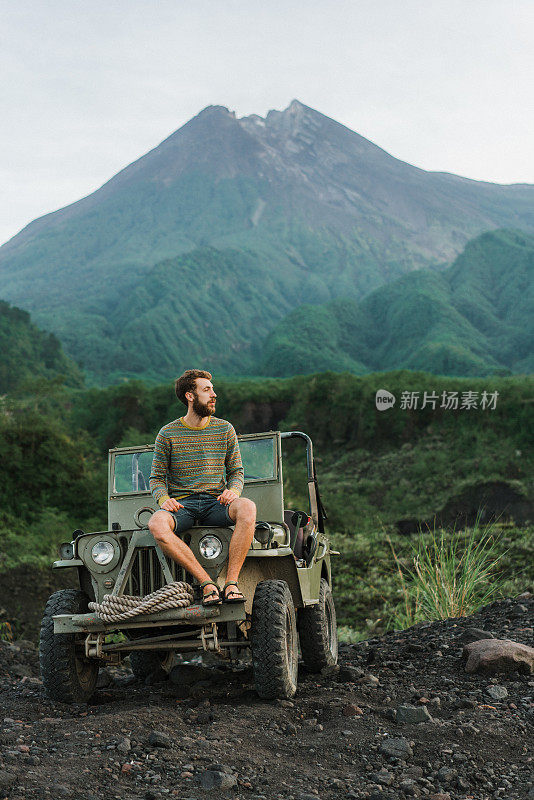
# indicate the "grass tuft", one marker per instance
pixel 450 576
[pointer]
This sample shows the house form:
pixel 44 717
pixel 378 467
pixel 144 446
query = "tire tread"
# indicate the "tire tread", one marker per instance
pixel 313 633
pixel 56 650
pixel 268 640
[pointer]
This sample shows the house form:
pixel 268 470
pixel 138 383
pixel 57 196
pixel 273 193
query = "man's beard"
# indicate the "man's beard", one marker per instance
pixel 203 410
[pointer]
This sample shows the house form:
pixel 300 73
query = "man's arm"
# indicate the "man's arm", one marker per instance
pixel 160 470
pixel 235 475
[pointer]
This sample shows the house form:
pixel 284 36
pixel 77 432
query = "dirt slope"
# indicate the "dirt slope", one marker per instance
pixel 208 735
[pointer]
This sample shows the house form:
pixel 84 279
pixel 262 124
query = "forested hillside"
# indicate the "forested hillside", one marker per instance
pixel 475 318
pixel 28 354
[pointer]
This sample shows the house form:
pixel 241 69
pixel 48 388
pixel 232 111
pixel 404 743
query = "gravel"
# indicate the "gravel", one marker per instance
pixel 400 718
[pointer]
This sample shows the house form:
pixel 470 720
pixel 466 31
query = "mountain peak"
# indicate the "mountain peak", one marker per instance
pixel 211 116
pixel 293 121
pixel 287 123
pixel 295 110
pixel 215 111
pixel 296 106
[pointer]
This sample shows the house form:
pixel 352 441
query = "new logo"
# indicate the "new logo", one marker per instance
pixel 384 400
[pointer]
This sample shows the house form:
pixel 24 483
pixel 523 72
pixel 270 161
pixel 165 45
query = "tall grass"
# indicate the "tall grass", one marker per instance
pixel 449 577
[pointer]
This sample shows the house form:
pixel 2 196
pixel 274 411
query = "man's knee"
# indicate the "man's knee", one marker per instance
pixel 160 525
pixel 246 510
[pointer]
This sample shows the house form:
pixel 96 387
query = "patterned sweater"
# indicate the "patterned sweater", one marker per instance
pixel 188 460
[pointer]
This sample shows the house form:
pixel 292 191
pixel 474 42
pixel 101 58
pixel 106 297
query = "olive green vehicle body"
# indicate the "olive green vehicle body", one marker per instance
pixel 139 567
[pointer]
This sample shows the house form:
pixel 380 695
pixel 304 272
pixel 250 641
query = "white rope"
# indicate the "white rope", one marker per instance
pixel 114 608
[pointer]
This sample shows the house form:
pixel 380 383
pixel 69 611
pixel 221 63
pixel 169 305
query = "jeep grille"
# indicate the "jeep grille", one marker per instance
pixel 146 574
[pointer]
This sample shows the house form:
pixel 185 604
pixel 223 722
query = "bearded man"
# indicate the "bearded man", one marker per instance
pixel 197 476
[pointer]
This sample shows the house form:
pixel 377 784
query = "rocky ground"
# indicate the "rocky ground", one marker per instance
pixel 400 717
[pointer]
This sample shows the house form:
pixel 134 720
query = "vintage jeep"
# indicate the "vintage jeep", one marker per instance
pixel 286 579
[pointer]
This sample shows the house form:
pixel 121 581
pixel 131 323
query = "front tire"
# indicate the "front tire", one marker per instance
pixel 318 631
pixel 146 662
pixel 68 676
pixel 274 641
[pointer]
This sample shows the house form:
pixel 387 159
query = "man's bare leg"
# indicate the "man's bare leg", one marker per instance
pixel 243 512
pixel 161 528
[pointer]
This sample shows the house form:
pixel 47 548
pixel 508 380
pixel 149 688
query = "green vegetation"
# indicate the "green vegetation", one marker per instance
pixel 450 576
pixel 475 318
pixel 53 481
pixel 212 255
pixel 29 355
pixel 376 468
pixel 370 597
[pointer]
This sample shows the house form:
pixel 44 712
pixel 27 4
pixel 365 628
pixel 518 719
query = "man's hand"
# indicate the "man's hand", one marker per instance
pixel 227 497
pixel 171 505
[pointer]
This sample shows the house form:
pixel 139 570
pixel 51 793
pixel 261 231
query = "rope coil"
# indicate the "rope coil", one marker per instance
pixel 113 608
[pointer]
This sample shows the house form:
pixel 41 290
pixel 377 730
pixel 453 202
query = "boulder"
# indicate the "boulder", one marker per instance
pixel 498 655
pixel 384 778
pixel 407 714
pixel 351 710
pixel 474 635
pixel 497 692
pixel 159 739
pixel 349 674
pixel 396 748
pixel 215 779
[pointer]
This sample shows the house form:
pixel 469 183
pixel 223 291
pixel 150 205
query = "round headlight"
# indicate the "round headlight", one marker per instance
pixel 210 546
pixel 263 532
pixel 102 552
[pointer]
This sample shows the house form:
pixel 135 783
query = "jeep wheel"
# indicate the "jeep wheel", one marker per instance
pixel 68 676
pixel 318 631
pixel 274 644
pixel 150 662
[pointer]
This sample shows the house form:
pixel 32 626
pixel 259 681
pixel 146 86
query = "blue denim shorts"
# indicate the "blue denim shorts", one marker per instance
pixel 202 508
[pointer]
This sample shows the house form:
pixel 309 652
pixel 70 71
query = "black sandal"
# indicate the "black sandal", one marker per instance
pixel 227 599
pixel 216 601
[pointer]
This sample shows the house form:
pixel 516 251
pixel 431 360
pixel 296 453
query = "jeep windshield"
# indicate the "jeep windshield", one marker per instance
pixel 258 456
pixel 131 471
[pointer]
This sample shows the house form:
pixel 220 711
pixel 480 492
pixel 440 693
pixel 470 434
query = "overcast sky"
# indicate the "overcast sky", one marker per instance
pixel 87 86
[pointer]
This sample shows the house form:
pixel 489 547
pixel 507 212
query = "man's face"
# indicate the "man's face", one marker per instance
pixel 204 398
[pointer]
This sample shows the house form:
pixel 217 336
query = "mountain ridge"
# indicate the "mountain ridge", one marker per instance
pixel 296 109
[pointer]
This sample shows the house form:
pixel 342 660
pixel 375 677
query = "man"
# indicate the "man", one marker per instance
pixel 191 457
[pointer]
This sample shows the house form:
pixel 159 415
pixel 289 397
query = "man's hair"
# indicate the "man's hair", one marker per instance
pixel 186 383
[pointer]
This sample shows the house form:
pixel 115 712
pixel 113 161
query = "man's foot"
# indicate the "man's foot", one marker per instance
pixel 211 595
pixel 232 595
